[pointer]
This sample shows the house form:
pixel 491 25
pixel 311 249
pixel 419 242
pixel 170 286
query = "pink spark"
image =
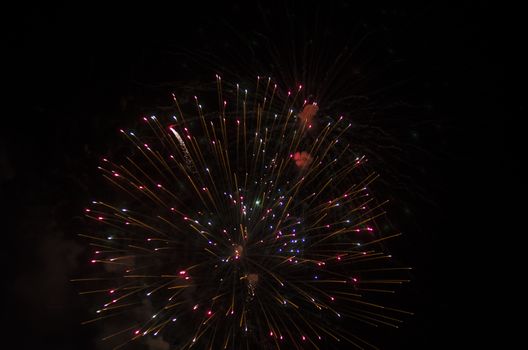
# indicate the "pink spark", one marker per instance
pixel 302 159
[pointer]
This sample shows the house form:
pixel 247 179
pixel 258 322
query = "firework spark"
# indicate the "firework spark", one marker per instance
pixel 243 228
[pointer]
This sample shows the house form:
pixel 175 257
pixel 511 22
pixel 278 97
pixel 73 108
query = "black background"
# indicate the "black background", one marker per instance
pixel 75 74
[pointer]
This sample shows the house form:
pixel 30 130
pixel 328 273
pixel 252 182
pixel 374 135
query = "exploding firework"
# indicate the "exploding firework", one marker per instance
pixel 250 225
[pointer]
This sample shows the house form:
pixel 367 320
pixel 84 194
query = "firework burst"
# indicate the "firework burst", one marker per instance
pixel 252 226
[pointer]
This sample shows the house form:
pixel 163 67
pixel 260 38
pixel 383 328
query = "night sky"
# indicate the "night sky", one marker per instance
pixel 75 74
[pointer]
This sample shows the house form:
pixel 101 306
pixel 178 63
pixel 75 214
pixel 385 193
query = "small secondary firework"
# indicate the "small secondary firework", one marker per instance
pixel 244 226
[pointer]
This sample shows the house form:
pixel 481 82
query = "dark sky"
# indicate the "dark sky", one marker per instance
pixel 77 73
